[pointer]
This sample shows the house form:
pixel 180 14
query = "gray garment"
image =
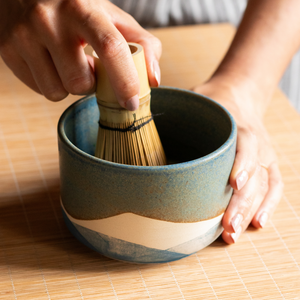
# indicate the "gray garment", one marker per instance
pixel 159 13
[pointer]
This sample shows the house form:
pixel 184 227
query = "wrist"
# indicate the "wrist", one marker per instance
pixel 242 90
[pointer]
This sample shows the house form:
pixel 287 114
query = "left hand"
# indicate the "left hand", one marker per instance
pixel 255 176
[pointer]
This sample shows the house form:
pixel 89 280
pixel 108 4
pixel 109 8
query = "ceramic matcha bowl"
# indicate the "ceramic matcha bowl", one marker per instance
pixel 149 214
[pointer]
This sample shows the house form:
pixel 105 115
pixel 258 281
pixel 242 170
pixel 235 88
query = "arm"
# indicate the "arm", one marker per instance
pixel 265 42
pixel 244 82
pixel 42 42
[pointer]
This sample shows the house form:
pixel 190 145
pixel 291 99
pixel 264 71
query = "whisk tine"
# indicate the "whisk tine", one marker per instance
pixel 127 137
pixel 141 147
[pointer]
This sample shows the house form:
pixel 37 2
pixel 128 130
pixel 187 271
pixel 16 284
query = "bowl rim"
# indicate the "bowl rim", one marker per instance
pixel 201 160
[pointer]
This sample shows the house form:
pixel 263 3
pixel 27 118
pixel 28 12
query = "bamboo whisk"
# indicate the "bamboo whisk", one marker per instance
pixel 124 136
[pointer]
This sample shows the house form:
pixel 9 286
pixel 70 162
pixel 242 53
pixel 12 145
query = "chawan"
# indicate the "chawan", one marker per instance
pixel 149 214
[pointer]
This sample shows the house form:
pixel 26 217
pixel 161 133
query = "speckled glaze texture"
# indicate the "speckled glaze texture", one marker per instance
pixel 199 138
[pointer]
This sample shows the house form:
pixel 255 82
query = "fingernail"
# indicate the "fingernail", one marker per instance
pixel 156 71
pixel 132 103
pixel 236 222
pixel 237 234
pixel 263 219
pixel 241 179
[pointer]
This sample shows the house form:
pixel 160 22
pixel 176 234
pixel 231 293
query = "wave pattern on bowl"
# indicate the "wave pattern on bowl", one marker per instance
pixel 149 214
pixel 139 239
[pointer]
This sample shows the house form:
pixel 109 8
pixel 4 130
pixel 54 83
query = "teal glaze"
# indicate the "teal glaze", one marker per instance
pixel 199 138
pixel 183 192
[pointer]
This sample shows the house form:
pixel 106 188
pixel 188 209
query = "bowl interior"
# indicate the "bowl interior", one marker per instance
pixel 190 126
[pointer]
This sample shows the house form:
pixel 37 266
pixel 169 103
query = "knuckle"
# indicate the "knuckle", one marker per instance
pixel 129 87
pixel 252 136
pixel 277 182
pixel 264 186
pixel 78 8
pixel 242 130
pixel 156 43
pixel 247 201
pixel 152 42
pixel 79 84
pixel 55 94
pixel 87 15
pixel 43 16
pixel 42 12
pixel 21 38
pixel 249 133
pixel 21 33
pixel 110 46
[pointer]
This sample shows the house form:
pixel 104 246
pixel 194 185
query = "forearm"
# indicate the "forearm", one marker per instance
pixel 265 42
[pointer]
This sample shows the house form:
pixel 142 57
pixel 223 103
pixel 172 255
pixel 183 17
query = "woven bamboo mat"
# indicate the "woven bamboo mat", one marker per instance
pixel 39 259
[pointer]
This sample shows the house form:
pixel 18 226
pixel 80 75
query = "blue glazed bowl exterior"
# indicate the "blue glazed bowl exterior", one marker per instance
pixel 149 214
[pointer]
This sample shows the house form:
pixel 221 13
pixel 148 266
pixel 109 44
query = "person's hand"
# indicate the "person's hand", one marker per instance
pixel 255 176
pixel 42 42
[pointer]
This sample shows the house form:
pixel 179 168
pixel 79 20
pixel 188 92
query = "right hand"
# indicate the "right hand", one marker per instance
pixel 42 43
pixel 255 176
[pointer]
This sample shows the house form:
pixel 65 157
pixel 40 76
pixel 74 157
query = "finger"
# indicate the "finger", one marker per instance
pixel 152 62
pixel 272 198
pixel 72 65
pixel 113 51
pixel 245 160
pixel 19 67
pixel 133 32
pixel 244 204
pixel 44 73
pixel 59 37
pixel 39 63
pixel 227 236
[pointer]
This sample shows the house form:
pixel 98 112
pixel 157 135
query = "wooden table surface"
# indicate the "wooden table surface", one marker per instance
pixel 39 259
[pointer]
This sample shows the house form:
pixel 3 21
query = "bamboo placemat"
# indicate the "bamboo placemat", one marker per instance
pixel 39 259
